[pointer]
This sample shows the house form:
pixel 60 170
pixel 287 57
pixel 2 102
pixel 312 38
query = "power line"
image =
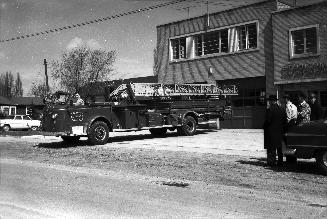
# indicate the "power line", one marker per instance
pixel 89 22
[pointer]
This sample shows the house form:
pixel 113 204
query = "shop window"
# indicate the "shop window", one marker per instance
pixel 249 102
pixel 237 102
pixel 304 41
pixel 250 97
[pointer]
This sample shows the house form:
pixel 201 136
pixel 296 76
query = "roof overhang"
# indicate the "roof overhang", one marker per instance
pixel 299 81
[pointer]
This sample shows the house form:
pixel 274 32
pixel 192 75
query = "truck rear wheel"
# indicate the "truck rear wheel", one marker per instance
pixel 158 131
pixel 321 161
pixel 188 127
pixel 70 139
pixel 98 133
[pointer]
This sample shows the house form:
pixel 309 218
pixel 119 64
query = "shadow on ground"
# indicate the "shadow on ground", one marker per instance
pixel 116 139
pixel 302 166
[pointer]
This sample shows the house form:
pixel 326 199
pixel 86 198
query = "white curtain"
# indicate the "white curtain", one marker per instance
pixel 190 50
pixel 233 39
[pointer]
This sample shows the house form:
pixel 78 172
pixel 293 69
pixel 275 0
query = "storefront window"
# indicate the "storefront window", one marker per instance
pixel 250 97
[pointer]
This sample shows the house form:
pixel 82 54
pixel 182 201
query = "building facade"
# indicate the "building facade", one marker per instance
pixel 269 47
pixel 228 47
pixel 300 51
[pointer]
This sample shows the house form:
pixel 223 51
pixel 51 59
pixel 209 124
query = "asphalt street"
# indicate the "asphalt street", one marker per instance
pixel 215 174
pixel 34 190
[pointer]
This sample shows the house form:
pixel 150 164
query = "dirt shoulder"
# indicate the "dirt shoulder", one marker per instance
pixel 302 180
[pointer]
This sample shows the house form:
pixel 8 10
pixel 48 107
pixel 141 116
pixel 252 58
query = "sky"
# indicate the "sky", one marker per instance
pixel 133 36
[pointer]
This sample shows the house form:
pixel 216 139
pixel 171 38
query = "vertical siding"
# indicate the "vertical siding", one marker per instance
pixel 286 20
pixel 242 65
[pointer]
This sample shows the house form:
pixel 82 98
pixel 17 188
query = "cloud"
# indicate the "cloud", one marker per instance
pixel 93 44
pixel 3 5
pixel 124 61
pixel 77 41
pixel 2 55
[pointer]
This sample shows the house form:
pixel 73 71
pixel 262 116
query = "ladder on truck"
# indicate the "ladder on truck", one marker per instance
pixel 167 90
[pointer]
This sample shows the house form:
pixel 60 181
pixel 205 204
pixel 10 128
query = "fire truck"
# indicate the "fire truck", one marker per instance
pixel 140 106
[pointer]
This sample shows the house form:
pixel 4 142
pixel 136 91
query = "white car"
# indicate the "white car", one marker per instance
pixel 19 122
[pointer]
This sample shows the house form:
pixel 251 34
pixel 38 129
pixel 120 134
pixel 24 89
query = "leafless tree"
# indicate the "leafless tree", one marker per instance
pixel 81 66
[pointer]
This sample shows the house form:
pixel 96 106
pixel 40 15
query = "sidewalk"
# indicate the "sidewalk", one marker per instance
pixel 241 142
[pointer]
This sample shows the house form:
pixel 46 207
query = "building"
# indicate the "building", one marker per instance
pixel 228 47
pixel 21 105
pixel 300 50
pixel 246 46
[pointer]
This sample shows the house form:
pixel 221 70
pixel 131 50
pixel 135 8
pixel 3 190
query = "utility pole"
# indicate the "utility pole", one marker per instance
pixel 208 17
pixel 46 75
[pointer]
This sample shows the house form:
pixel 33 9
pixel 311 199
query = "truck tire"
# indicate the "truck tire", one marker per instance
pixel 321 161
pixel 158 131
pixel 188 127
pixel 291 159
pixel 70 139
pixel 98 133
pixel 6 128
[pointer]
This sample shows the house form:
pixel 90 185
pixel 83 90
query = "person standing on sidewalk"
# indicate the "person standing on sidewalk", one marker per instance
pixel 316 111
pixel 304 110
pixel 274 126
pixel 291 111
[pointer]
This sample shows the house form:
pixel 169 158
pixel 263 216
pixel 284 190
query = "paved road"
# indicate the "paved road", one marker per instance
pixel 35 190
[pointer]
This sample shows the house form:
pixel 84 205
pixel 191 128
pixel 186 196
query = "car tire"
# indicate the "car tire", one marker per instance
pixel 70 139
pixel 6 128
pixel 34 128
pixel 321 161
pixel 158 131
pixel 98 133
pixel 188 127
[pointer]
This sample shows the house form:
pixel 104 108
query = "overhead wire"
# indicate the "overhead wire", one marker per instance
pixel 94 21
pixel 103 19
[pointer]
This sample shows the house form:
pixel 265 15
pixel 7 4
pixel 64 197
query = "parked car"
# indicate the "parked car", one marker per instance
pixel 308 141
pixel 19 122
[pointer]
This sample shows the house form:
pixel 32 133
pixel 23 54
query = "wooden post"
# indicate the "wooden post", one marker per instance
pixel 46 75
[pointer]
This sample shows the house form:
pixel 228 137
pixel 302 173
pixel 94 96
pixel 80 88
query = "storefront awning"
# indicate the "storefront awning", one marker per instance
pixel 299 81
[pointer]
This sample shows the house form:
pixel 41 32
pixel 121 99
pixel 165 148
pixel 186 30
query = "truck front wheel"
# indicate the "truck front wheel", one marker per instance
pixel 321 160
pixel 188 127
pixel 98 133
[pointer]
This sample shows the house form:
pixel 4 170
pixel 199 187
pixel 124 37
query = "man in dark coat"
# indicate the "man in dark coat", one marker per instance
pixel 316 110
pixel 274 126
